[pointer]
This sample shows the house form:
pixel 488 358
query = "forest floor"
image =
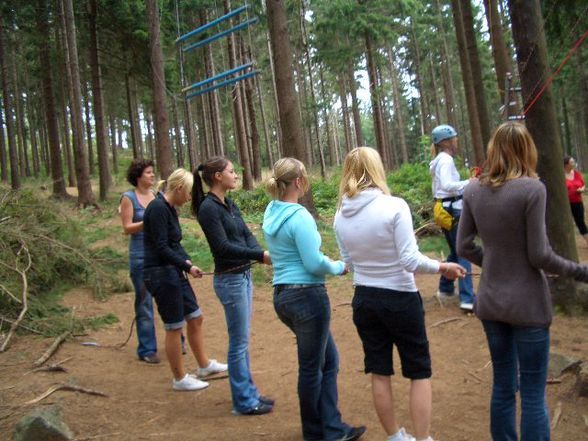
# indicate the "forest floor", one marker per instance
pixel 141 405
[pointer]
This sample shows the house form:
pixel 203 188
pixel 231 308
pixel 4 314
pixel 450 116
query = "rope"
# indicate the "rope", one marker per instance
pixel 230 270
pixel 552 77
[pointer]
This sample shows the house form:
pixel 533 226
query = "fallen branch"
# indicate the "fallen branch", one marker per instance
pixel 553 381
pixel 444 321
pixel 52 349
pixel 55 367
pixel 68 387
pixel 12 296
pixel 34 331
pixel 343 304
pixel 25 287
pixel 475 376
pixel 556 416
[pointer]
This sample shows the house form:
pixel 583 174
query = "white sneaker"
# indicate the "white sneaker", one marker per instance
pixel 189 383
pixel 401 435
pixel 444 295
pixel 214 367
pixel 467 307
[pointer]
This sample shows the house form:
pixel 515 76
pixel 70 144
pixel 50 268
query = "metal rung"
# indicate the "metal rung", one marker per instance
pixel 221 84
pixel 515 89
pixel 212 23
pixel 221 34
pixel 217 77
pixel 516 117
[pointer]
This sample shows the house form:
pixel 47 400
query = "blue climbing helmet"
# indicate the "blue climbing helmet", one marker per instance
pixel 442 132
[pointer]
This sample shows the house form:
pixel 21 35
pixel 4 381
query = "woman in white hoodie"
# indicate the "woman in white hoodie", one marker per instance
pixel 376 239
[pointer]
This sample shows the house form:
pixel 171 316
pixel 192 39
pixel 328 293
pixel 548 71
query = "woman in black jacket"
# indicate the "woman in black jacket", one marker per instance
pixel 233 248
pixel 165 275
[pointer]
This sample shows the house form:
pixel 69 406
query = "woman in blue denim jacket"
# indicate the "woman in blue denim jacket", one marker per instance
pixel 233 248
pixel 132 207
pixel 302 303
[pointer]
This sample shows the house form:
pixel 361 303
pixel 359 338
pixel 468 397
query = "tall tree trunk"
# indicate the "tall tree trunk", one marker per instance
pixel 240 130
pixel 288 102
pixel 268 142
pixel 531 48
pixel 88 123
pixel 355 105
pixel 474 57
pixel 5 62
pixel 254 133
pixel 113 143
pixel 376 107
pixel 63 99
pixel 276 101
pixel 150 140
pixel 502 61
pixel 581 61
pixel 99 115
pixel 466 73
pixel 59 190
pixel 190 138
pixel 325 105
pixel 178 135
pixel 434 90
pixel 423 99
pixel 398 117
pixel 345 114
pixel 132 119
pixel 163 142
pixel 446 76
pixel 3 154
pixel 23 157
pixel 85 194
pixel 44 143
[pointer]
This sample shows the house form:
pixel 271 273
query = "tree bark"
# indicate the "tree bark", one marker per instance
pixel 85 194
pixel 345 114
pixel 59 190
pixel 3 153
pixel 276 101
pixel 23 157
pixel 502 61
pixel 398 117
pixel 474 57
pixel 446 75
pixel 290 123
pixel 99 115
pixel 268 142
pixel 150 140
pixel 253 132
pixel 355 106
pixel 423 100
pixel 376 107
pixel 531 49
pixel 5 62
pixel 163 142
pixel 113 143
pixel 178 135
pixel 466 73
pixel 88 126
pixel 240 130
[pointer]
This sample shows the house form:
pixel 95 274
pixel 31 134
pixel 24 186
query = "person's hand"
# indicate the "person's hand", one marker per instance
pixel 345 270
pixel 582 189
pixel 267 258
pixel 196 272
pixel 452 270
pixel 189 262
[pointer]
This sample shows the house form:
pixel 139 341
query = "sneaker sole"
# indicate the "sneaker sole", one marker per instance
pixel 189 390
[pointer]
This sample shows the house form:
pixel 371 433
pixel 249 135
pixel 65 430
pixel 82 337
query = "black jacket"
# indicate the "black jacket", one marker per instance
pixel 231 242
pixel 162 236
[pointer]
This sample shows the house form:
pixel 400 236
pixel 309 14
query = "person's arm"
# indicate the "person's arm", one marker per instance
pixel 126 215
pixel 446 182
pixel 411 259
pixel 581 186
pixel 220 245
pixel 159 235
pixel 308 242
pixel 466 235
pixel 539 251
pixel 342 250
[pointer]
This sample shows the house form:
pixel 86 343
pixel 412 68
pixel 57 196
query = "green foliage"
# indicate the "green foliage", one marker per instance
pixel 412 182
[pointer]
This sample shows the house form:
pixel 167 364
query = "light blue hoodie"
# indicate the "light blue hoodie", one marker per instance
pixel 294 244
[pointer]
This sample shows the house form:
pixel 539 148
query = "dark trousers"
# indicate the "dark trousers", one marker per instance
pixel 578 213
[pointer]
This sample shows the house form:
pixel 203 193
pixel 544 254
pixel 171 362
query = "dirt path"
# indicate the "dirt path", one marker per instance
pixel 142 406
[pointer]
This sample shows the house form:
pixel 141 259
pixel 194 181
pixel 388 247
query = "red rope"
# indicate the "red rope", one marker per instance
pixel 552 77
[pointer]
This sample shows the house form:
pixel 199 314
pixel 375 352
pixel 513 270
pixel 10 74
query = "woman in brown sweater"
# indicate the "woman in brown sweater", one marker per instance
pixel 506 209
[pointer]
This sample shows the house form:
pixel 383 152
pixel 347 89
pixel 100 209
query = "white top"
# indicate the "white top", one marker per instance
pixel 446 179
pixel 376 239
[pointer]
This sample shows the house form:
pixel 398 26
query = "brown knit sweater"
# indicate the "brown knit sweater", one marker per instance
pixel 510 220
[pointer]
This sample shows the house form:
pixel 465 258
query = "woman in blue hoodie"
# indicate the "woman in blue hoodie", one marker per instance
pixel 301 301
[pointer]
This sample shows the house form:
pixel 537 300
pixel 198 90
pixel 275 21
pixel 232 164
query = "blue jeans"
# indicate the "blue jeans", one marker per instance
pixel 466 287
pixel 307 312
pixel 143 310
pixel 518 352
pixel 235 292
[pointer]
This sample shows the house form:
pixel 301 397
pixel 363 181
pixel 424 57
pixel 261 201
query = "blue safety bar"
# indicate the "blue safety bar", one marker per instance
pixel 212 23
pixel 221 84
pixel 221 34
pixel 217 77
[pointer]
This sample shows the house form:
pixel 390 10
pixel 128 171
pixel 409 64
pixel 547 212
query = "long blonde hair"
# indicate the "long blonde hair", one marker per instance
pixel 285 171
pixel 179 178
pixel 511 154
pixel 362 169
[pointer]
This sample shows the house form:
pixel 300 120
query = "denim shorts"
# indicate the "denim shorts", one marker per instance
pixel 176 301
pixel 386 318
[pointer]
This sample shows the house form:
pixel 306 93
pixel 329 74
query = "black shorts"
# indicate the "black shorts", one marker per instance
pixel 385 318
pixel 176 301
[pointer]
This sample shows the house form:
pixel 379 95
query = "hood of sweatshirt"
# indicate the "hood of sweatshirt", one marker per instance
pixel 276 214
pixel 351 206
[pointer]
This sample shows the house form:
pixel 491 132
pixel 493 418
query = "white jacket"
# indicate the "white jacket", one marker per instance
pixel 376 238
pixel 446 179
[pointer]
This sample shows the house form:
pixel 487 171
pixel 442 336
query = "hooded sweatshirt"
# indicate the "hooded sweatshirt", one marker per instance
pixel 294 244
pixel 446 180
pixel 376 239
